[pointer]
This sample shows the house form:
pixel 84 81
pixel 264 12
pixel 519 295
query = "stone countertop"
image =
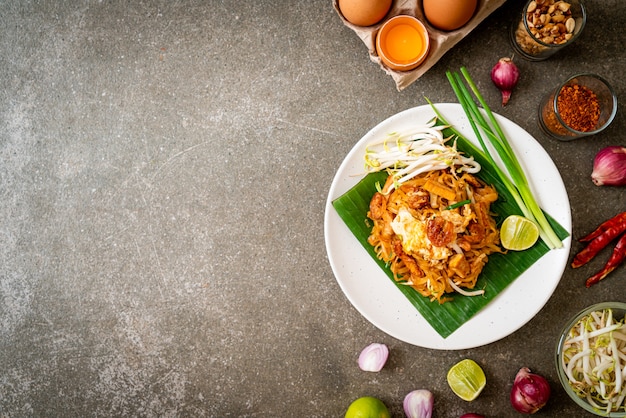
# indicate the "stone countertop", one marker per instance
pixel 164 172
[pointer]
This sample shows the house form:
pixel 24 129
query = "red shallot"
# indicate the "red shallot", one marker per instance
pixel 373 357
pixel 505 76
pixel 530 392
pixel 609 167
pixel 419 404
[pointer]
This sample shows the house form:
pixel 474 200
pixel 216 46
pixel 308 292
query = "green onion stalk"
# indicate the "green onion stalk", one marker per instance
pixel 517 184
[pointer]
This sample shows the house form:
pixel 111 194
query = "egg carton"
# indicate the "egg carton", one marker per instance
pixel 440 41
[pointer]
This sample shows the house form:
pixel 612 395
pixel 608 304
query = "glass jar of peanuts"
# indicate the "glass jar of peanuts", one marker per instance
pixel 546 26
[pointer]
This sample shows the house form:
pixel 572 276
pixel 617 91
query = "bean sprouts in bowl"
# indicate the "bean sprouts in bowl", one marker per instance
pixel 591 359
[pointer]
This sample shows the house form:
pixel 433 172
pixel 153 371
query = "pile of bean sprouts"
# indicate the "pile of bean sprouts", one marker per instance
pixel 407 154
pixel 594 360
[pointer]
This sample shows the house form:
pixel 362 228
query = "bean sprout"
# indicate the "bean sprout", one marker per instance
pixel 594 360
pixel 463 291
pixel 407 154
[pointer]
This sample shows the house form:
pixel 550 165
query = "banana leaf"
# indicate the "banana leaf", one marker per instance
pixel 499 272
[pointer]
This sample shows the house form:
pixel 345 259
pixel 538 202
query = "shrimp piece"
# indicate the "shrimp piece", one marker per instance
pixel 617 257
pixel 417 198
pixel 476 233
pixel 387 231
pixel 440 231
pixel 378 206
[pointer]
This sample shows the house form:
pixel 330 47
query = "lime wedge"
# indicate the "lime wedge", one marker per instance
pixel 518 233
pixel 466 379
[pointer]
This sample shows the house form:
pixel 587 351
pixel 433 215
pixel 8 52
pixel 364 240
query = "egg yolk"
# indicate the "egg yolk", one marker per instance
pixel 404 43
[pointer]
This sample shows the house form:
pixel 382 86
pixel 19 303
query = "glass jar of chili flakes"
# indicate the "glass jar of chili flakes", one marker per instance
pixel 583 105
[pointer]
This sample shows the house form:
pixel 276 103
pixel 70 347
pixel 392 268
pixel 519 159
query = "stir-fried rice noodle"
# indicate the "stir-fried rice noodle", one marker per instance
pixel 429 243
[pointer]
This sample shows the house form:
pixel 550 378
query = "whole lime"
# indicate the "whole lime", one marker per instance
pixel 367 407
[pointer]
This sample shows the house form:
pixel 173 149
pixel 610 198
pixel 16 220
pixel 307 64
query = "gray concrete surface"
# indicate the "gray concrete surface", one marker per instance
pixel 164 167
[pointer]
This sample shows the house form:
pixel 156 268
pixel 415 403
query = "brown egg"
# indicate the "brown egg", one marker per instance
pixel 364 12
pixel 449 14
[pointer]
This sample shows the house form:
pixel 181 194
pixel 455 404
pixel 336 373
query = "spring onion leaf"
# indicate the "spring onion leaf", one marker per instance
pixel 458 204
pixel 516 181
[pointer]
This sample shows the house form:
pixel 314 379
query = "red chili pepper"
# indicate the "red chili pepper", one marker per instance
pixel 618 256
pixel 594 247
pixel 616 222
pixel 600 238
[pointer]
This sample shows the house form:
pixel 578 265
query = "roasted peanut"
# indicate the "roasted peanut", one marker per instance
pixel 549 22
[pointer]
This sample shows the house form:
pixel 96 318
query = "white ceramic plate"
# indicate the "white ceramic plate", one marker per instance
pixel 372 293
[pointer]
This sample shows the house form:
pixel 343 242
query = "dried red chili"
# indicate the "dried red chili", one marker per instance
pixel 579 107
